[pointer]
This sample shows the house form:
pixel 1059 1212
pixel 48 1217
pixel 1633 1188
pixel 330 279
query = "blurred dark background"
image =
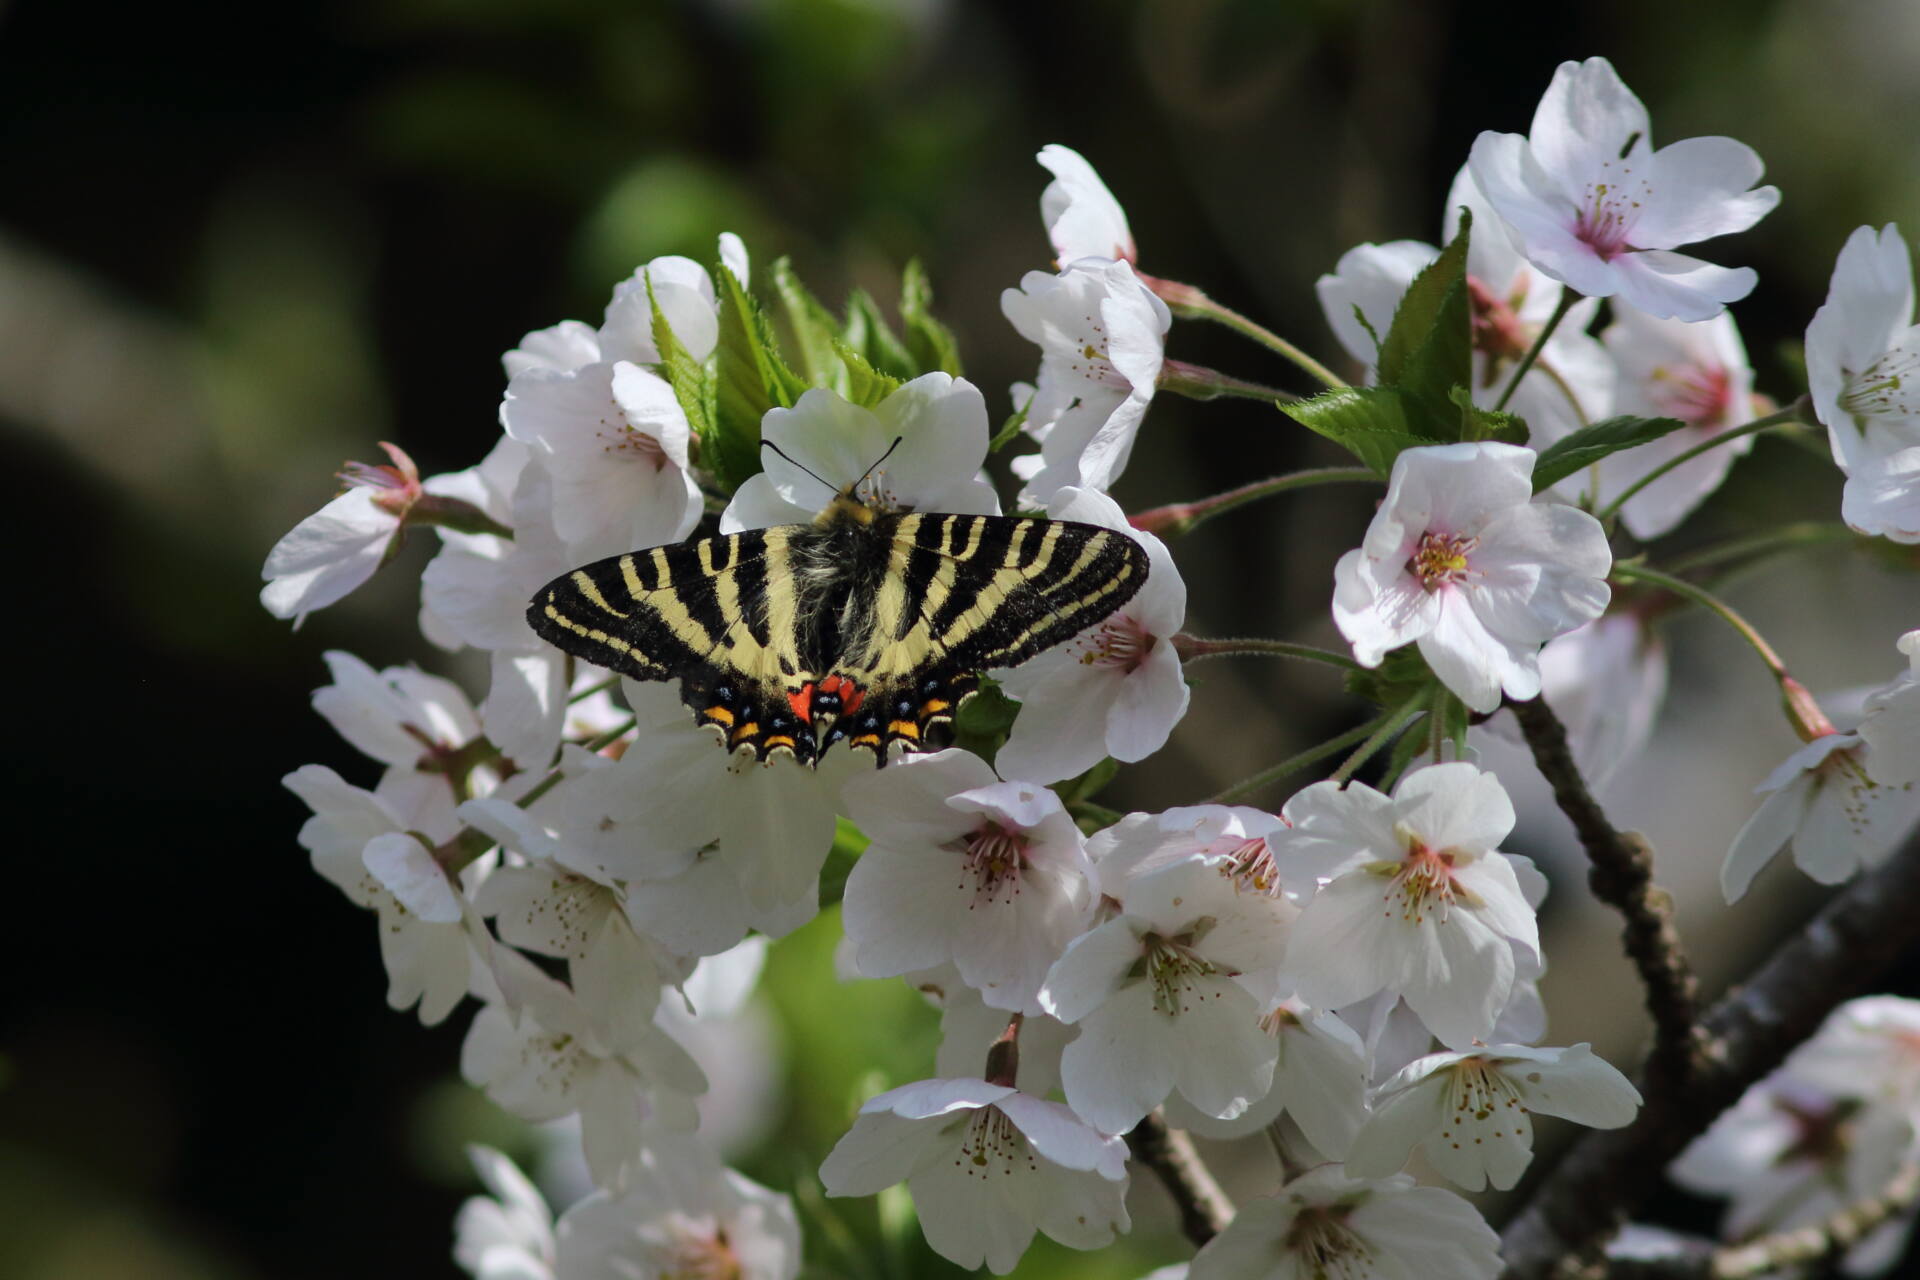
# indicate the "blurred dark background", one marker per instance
pixel 239 244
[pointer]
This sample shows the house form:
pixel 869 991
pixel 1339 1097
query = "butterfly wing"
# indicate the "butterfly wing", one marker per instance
pixel 963 593
pixel 718 614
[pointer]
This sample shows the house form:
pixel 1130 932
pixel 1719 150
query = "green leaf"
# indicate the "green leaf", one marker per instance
pixel 866 385
pixel 1011 427
pixel 849 842
pixel 814 327
pixel 1401 674
pixel 1370 422
pixel 692 384
pixel 869 335
pixel 1487 424
pixel 1590 444
pixel 749 379
pixel 930 343
pixel 1429 346
pixel 982 722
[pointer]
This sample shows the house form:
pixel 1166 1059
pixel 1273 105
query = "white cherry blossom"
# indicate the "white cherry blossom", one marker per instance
pixel 969 1028
pixel 1597 208
pixel 1867 1048
pixel 1844 800
pixel 1102 337
pixel 1319 1079
pixel 1460 559
pixel 1232 838
pixel 613 439
pixel 1155 995
pixel 939 421
pixel 1324 1223
pixel 685 295
pixel 510 1235
pixel 1696 372
pixel 680 1214
pixel 540 1055
pixel 1789 1155
pixel 360 844
pixel 988 1166
pixel 1454 911
pixel 1863 355
pixel 1472 1112
pixel 990 875
pixel 1117 689
pixel 1083 219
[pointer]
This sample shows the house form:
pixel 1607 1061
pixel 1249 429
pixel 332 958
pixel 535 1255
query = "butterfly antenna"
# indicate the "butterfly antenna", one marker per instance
pixel 876 464
pixel 768 444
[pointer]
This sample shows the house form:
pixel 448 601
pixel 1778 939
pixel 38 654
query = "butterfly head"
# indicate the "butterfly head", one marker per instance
pixel 847 506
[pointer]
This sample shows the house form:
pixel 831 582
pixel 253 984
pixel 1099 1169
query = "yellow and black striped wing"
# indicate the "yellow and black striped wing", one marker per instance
pixel 719 614
pixel 965 593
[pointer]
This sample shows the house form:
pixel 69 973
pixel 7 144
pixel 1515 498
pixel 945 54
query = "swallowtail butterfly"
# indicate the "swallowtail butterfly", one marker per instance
pixel 867 626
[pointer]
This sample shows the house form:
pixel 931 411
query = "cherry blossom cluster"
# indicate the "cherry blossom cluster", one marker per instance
pixel 1355 975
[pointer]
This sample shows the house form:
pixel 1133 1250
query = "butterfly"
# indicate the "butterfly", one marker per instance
pixel 867 626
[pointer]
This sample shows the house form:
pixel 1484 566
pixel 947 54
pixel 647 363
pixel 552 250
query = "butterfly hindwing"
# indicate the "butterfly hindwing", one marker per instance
pixel 719 614
pixel 963 593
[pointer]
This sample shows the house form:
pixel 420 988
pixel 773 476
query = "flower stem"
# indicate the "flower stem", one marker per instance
pixel 1191 648
pixel 1781 418
pixel 1190 303
pixel 1293 764
pixel 1807 533
pixel 1197 382
pixel 1803 713
pixel 1205 1210
pixel 1184 517
pixel 1567 298
pixel 1391 725
pixel 1707 600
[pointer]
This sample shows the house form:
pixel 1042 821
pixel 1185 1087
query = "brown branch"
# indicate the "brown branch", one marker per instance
pixel 1608 1174
pixel 1822 1240
pixel 1204 1208
pixel 1621 876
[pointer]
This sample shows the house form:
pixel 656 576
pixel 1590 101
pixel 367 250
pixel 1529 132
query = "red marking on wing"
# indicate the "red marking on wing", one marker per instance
pixel 801 700
pixel 851 695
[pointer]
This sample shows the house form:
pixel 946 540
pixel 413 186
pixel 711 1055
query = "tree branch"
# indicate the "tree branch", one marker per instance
pixel 1608 1174
pixel 1622 877
pixel 1204 1208
pixel 1828 1239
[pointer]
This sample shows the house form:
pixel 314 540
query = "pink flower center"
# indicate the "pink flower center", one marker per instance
pixel 1119 642
pixel 1176 971
pixel 995 857
pixel 617 439
pixel 1609 212
pixel 1846 770
pixel 1250 867
pixel 1697 394
pixel 1327 1246
pixel 992 1143
pixel 1479 1091
pixel 700 1252
pixel 1441 559
pixel 1423 882
pixel 1885 388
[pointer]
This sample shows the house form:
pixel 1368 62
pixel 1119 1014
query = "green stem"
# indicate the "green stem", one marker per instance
pixel 1707 600
pixel 1196 382
pixel 1190 303
pixel 1388 730
pixel 1779 419
pixel 1184 517
pixel 1192 647
pixel 1293 764
pixel 1567 298
pixel 596 687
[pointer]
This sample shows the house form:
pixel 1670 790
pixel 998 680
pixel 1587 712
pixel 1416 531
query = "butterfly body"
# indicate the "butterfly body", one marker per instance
pixel 868 626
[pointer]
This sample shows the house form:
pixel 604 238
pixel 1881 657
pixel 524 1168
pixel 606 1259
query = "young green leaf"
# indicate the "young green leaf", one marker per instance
pixel 1011 427
pixel 749 379
pixel 929 342
pixel 692 384
pixel 869 335
pixel 1486 424
pixel 1373 423
pixel 1590 444
pixel 866 385
pixel 1429 346
pixel 814 327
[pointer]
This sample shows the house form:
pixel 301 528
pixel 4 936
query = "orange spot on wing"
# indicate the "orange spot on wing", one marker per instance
pixel 933 707
pixel 744 732
pixel 904 729
pixel 850 693
pixel 801 700
pixel 718 715
pixel 865 740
